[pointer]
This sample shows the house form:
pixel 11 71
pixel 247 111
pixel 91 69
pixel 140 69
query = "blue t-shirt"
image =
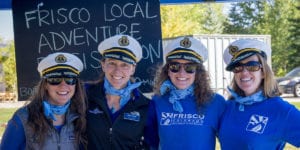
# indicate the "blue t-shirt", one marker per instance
pixel 193 129
pixel 266 125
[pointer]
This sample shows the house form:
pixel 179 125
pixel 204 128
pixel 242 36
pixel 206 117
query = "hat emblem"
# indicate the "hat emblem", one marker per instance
pixel 123 41
pixel 60 59
pixel 186 43
pixel 233 50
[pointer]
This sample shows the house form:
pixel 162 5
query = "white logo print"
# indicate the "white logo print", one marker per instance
pixel 257 124
pixel 168 119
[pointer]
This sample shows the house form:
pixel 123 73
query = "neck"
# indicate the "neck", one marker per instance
pixel 113 101
pixel 60 120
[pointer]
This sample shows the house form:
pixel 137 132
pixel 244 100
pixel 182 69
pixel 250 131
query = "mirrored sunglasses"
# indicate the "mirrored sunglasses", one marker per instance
pixel 251 66
pixel 188 67
pixel 58 80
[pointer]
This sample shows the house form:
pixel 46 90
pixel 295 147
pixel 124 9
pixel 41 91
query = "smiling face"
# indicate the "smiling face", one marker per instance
pixel 181 79
pixel 249 81
pixel 117 72
pixel 60 94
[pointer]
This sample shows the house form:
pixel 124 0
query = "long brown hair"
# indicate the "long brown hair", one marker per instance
pixel 202 90
pixel 40 124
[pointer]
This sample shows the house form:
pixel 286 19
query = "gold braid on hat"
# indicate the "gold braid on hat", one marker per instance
pixel 186 43
pixel 235 52
pixel 60 60
pixel 123 41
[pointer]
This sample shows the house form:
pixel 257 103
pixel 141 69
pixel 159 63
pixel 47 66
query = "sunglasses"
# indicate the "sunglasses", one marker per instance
pixel 188 67
pixel 58 80
pixel 251 66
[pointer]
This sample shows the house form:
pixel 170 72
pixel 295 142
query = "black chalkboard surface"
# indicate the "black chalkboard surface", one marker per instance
pixel 46 26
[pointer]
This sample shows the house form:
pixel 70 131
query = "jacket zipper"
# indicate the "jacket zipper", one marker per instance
pixel 110 137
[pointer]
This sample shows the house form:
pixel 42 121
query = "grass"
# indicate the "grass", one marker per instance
pixel 6 114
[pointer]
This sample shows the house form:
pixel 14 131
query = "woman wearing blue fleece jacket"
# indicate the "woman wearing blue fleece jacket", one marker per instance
pixel 184 113
pixel 256 117
pixel 55 116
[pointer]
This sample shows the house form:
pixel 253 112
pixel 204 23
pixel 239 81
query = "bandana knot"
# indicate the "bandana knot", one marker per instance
pixel 123 93
pixel 176 94
pixel 248 100
pixel 50 109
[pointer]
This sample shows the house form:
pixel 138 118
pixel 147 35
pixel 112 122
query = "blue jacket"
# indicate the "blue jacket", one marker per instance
pixel 121 130
pixel 18 135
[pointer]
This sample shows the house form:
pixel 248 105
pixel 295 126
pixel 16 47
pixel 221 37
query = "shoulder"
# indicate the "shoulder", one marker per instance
pixel 279 103
pixel 22 114
pixel 23 111
pixel 92 86
pixel 140 97
pixel 218 99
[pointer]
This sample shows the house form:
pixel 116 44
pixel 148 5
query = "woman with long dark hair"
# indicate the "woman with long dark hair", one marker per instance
pixel 55 116
pixel 185 112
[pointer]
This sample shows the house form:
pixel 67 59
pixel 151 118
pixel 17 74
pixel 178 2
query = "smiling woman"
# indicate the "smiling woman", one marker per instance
pixel 57 107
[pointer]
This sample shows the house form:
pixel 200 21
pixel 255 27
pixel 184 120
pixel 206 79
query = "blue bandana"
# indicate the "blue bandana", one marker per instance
pixel 248 100
pixel 176 95
pixel 123 93
pixel 50 109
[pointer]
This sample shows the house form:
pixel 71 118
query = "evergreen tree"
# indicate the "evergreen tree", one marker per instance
pixel 294 38
pixel 244 17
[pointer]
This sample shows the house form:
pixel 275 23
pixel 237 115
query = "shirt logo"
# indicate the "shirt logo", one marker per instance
pixel 168 119
pixel 257 124
pixel 95 111
pixel 133 116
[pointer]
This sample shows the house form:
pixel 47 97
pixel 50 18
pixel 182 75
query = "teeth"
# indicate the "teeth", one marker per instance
pixel 118 78
pixel 245 79
pixel 181 79
pixel 62 93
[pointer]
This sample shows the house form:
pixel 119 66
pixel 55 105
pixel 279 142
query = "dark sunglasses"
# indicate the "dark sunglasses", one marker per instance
pixel 188 67
pixel 251 66
pixel 58 80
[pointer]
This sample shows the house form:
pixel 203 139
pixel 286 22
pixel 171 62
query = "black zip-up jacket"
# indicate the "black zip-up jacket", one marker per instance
pixel 126 132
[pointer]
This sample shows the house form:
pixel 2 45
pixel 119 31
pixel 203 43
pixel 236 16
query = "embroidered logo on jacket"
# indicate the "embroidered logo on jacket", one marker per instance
pixel 181 119
pixel 257 124
pixel 95 111
pixel 133 116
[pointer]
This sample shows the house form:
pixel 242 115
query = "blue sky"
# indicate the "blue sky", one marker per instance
pixel 6 25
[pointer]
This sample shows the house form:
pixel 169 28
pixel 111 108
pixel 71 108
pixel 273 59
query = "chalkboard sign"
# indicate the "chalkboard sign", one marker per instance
pixel 44 27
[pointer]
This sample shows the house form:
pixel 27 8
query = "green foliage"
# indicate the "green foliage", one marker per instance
pixel 274 17
pixel 244 17
pixel 178 20
pixel 294 38
pixel 8 62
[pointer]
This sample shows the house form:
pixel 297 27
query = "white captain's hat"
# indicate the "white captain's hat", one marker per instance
pixel 121 47
pixel 60 64
pixel 187 48
pixel 242 49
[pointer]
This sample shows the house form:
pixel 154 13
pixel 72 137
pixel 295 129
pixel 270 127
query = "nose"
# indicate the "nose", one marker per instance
pixel 181 69
pixel 117 68
pixel 244 70
pixel 63 82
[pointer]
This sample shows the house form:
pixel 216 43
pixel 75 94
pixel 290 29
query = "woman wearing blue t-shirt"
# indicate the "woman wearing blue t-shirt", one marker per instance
pixel 184 113
pixel 256 117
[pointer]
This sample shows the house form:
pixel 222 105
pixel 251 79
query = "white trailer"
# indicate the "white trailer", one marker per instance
pixel 216 45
